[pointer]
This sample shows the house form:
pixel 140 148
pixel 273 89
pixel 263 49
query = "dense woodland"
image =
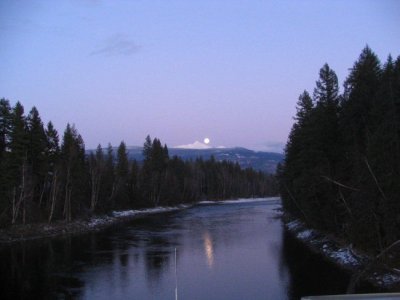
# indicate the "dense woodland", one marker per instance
pixel 43 179
pixel 341 173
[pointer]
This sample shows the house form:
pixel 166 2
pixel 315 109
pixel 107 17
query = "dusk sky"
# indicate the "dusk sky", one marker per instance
pixel 182 70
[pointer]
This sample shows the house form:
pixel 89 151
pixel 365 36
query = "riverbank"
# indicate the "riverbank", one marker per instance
pixel 25 232
pixel 364 267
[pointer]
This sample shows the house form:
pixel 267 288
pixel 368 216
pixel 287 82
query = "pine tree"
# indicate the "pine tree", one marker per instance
pixel 146 175
pixel 327 149
pixel 383 158
pixel 52 150
pixel 18 140
pixel 37 142
pixel 327 89
pixel 122 173
pixel 312 153
pixel 295 170
pixel 133 185
pixel 358 122
pixel 73 158
pixel 122 167
pixel 5 180
pixel 96 169
pixel 147 148
pixel 36 154
pixel 18 166
pixel 154 170
pixel 360 92
pixel 109 185
pixel 5 126
pixel 53 182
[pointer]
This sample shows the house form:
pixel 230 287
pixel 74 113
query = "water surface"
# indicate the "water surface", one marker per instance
pixel 236 250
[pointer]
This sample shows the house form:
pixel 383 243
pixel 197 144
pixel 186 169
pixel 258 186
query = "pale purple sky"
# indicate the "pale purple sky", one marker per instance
pixel 182 70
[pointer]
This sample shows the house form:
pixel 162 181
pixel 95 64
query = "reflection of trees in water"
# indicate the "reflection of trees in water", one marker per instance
pixel 158 244
pixel 28 268
pixel 124 259
pixel 46 268
pixel 309 273
pixel 158 251
pixel 52 268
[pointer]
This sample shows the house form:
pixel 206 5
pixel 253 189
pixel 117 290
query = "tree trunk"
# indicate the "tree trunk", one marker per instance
pixel 21 198
pixel 53 195
pixel 67 200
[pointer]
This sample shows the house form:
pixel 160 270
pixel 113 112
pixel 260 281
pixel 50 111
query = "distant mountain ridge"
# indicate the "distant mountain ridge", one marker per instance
pixel 258 160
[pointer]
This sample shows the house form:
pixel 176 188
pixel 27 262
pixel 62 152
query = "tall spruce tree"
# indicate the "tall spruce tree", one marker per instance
pixel 296 174
pixel 53 180
pixel 383 158
pixel 154 168
pixel 327 145
pixel 5 180
pixel 52 150
pixel 361 87
pixel 96 170
pixel 37 141
pixel 133 184
pixel 5 126
pixel 18 164
pixel 358 124
pixel 18 141
pixel 109 185
pixel 73 160
pixel 37 154
pixel 122 175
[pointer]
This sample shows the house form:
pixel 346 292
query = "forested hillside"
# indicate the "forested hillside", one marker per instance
pixel 341 172
pixel 257 160
pixel 43 178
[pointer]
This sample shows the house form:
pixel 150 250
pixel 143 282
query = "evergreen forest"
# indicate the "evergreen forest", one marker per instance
pixel 44 178
pixel 341 172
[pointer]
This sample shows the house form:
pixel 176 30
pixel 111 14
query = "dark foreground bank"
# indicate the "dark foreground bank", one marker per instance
pixel 378 270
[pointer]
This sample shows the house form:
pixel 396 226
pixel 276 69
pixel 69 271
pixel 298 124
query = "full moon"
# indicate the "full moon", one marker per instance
pixel 206 141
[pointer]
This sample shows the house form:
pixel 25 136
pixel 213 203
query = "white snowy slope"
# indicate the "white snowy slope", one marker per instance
pixel 195 145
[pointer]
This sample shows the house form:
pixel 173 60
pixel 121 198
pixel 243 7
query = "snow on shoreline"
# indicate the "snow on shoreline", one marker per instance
pixel 100 221
pixel 95 223
pixel 123 214
pixel 155 210
pixel 242 200
pixel 341 255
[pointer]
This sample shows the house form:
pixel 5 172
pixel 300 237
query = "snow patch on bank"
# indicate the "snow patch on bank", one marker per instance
pixel 244 200
pixel 123 214
pixel 156 210
pixel 306 234
pixel 96 222
pixel 387 279
pixel 342 255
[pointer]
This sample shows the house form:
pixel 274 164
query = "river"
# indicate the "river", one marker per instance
pixel 230 250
